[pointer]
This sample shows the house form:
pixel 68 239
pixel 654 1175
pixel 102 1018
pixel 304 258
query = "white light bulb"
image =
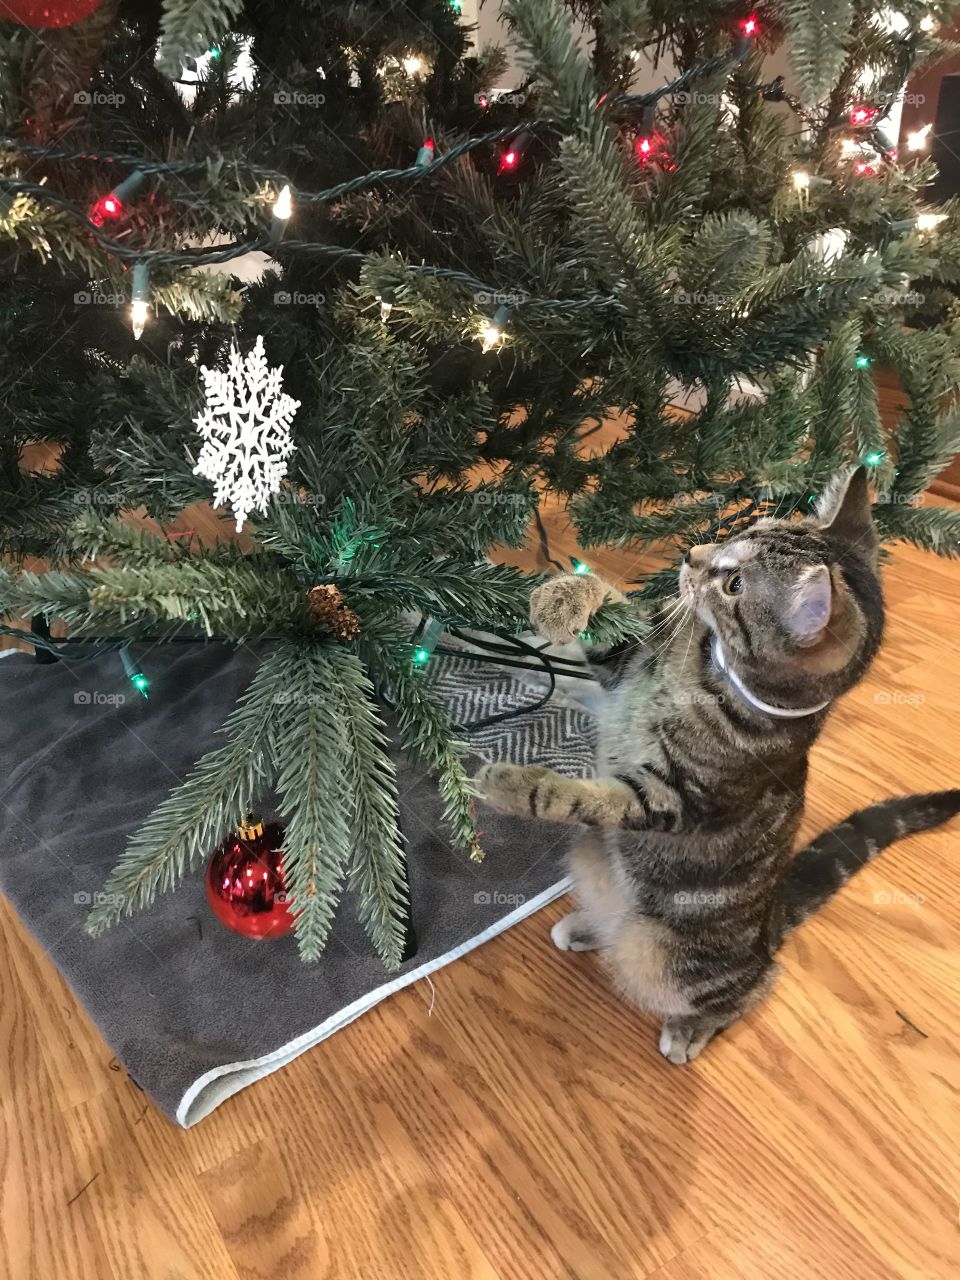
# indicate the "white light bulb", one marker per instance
pixel 929 221
pixel 929 23
pixel 139 315
pixel 283 205
pixel 386 306
pixel 412 65
pixel 492 336
pixel 801 180
pixel 849 148
pixel 917 140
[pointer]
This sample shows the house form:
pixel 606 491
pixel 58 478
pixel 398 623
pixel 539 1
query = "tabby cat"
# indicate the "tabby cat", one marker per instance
pixel 684 875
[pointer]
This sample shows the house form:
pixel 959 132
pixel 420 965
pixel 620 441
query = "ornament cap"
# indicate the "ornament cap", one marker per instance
pixel 250 826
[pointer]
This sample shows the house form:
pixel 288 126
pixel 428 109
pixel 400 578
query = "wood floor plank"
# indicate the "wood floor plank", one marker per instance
pixel 152 1218
pixel 353 1196
pixel 47 1227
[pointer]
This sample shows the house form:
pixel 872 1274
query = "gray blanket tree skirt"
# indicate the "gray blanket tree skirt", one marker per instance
pixel 194 1011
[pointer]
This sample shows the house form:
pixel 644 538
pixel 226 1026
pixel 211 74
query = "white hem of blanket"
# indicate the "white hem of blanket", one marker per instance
pixel 213 1087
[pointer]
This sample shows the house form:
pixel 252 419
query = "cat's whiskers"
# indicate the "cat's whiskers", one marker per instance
pixel 686 652
pixel 666 643
pixel 668 618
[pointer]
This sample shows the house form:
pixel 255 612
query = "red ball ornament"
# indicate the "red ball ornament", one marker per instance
pixel 245 884
pixel 43 15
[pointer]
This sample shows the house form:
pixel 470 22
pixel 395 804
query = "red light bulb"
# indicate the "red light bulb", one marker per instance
pixel 864 169
pixel 107 208
pixel 750 26
pixel 862 115
pixel 512 158
pixel 426 155
pixel 648 148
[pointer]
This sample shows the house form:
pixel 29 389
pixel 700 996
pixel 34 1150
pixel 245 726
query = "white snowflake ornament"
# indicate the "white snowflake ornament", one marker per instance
pixel 246 432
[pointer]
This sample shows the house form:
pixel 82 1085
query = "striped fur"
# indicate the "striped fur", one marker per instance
pixel 685 873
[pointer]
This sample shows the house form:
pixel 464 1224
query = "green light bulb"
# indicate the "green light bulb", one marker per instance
pixel 580 567
pixel 422 656
pixel 874 458
pixel 863 362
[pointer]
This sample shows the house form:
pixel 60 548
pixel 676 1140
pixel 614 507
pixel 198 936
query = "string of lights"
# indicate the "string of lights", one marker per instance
pixel 376 177
pixel 113 206
pixel 649 147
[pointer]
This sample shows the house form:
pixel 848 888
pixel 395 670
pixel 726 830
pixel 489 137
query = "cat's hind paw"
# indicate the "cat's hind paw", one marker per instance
pixel 574 933
pixel 682 1039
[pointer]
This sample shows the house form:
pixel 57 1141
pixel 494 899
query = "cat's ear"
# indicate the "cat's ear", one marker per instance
pixel 845 512
pixel 807 610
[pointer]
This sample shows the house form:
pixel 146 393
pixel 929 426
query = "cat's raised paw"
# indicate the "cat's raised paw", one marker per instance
pixel 561 607
pixel 510 788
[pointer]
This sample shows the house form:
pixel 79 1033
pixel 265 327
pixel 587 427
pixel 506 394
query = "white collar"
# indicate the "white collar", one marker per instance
pixel 783 713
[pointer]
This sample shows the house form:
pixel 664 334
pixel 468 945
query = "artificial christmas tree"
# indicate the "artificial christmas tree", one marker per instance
pixel 458 284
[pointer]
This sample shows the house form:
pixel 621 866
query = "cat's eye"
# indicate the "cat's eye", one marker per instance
pixel 733 584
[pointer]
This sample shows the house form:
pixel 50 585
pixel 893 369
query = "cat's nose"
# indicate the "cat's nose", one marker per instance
pixel 696 554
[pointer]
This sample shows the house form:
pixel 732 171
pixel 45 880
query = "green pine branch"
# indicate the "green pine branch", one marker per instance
pixel 185 828
pixel 310 744
pixel 426 733
pixel 934 529
pixel 614 621
pixel 377 869
pixel 235 600
pixel 189 27
pixel 549 50
pixel 817 39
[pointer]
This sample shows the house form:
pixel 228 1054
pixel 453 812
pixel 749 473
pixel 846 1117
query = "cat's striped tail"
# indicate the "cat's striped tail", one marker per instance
pixel 827 863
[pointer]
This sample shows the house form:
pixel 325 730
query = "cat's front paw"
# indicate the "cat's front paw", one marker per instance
pixel 561 607
pixel 509 787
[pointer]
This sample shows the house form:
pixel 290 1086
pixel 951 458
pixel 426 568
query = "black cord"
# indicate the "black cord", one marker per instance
pixel 547 666
pixel 545 541
pixel 507 662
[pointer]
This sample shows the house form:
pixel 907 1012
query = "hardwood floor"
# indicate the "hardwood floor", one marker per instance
pixel 522 1125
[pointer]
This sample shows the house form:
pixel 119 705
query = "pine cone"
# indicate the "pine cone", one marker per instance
pixel 326 606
